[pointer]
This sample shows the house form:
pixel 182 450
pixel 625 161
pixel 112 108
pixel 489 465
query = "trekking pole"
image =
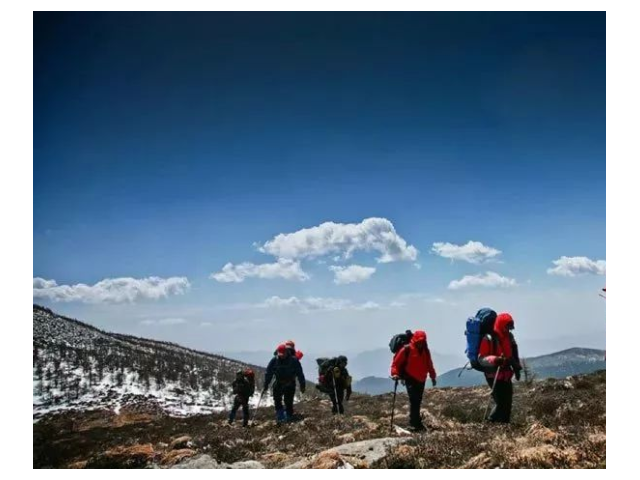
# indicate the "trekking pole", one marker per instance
pixel 463 369
pixel 256 409
pixel 393 403
pixel 335 390
pixel 495 380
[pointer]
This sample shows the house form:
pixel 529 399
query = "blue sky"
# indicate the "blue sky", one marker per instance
pixel 169 145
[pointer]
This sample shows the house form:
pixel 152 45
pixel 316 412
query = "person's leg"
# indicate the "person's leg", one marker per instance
pixel 278 395
pixel 334 402
pixel 234 410
pixel 415 391
pixel 289 393
pixel 245 413
pixel 340 400
pixel 502 398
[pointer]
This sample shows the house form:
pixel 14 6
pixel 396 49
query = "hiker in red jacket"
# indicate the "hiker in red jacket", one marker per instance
pixel 412 363
pixel 500 351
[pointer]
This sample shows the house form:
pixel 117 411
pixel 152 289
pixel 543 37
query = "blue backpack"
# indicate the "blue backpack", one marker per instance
pixel 477 328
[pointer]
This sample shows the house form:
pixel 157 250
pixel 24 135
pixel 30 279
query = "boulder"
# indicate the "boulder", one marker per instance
pixel 183 441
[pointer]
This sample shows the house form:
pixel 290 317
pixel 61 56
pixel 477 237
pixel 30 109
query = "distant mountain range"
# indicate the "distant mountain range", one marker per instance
pixel 573 361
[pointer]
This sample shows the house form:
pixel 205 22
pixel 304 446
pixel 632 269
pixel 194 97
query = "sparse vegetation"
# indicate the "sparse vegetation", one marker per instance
pixel 557 424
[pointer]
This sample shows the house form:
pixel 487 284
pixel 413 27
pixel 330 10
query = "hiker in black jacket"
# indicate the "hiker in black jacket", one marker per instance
pixel 334 380
pixel 243 388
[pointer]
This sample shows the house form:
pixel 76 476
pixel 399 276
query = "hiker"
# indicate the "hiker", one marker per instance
pixel 243 387
pixel 412 363
pixel 286 368
pixel 334 380
pixel 500 351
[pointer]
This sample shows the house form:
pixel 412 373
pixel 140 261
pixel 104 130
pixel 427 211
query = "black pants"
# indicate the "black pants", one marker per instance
pixel 238 402
pixel 415 390
pixel 337 401
pixel 503 398
pixel 287 391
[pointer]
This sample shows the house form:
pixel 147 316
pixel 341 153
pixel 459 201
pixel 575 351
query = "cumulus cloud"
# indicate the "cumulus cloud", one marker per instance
pixel 111 290
pixel 489 279
pixel 283 268
pixel 472 252
pixel 351 274
pixel 574 266
pixel 370 235
pixel 317 304
pixel 42 283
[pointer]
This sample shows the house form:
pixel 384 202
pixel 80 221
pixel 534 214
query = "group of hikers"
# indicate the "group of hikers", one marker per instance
pixel 491 349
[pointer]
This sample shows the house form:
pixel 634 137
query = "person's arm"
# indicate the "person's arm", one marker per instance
pixel 347 379
pixel 300 375
pixel 431 369
pixel 271 370
pixel 399 364
pixel 486 357
pixel 515 354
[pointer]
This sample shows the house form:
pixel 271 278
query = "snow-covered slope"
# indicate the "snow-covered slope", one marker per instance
pixel 79 366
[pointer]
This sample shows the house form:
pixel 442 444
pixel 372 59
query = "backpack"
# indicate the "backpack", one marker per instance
pixel 325 366
pixel 477 328
pixel 400 340
pixel 251 377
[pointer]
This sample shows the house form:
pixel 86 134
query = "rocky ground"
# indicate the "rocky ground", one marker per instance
pixel 556 424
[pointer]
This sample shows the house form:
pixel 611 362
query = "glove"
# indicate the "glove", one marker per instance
pixel 348 397
pixel 395 377
pixel 433 382
pixel 517 372
pixel 500 361
pixel 303 388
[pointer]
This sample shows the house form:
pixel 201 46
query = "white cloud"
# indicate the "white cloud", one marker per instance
pixel 276 301
pixel 397 304
pixel 415 297
pixel 372 234
pixel 317 304
pixel 489 279
pixel 111 290
pixel 172 321
pixel 206 324
pixel 164 321
pixel 574 266
pixel 42 283
pixel 351 274
pixel 472 252
pixel 283 268
pixel 367 306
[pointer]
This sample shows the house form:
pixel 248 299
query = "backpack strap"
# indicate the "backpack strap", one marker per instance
pixel 493 340
pixel 405 352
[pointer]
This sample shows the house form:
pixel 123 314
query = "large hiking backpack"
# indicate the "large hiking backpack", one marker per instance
pixel 477 328
pixel 400 340
pixel 248 386
pixel 325 367
pixel 251 378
